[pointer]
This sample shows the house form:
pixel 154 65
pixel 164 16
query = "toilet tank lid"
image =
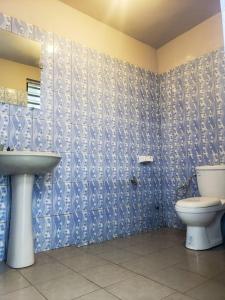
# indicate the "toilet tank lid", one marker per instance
pixel 215 167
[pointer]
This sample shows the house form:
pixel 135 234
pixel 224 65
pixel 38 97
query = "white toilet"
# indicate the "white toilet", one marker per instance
pixel 203 214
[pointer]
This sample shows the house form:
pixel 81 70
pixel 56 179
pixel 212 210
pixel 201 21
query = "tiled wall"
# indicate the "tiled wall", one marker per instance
pixel 99 113
pixel 192 99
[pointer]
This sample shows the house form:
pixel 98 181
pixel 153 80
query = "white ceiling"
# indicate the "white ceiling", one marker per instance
pixel 154 22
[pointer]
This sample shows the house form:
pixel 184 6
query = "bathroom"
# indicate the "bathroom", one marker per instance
pixel 131 102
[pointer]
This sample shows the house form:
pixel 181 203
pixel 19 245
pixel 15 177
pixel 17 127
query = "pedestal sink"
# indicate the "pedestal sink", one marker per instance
pixel 22 166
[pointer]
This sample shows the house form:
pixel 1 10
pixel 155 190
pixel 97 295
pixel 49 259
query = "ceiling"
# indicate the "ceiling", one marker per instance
pixel 154 22
pixel 18 49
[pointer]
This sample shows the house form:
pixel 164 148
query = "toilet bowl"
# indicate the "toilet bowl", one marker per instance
pixel 203 215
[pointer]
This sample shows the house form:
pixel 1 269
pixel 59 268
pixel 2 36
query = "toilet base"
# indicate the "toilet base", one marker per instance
pixel 205 237
pixel 202 238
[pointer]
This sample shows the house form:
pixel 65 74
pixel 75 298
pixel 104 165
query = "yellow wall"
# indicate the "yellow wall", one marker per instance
pixel 55 16
pixel 202 39
pixel 13 75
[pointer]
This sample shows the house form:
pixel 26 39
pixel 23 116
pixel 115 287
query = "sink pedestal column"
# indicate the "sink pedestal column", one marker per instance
pixel 21 248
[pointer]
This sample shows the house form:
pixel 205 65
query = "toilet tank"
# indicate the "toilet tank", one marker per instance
pixel 211 181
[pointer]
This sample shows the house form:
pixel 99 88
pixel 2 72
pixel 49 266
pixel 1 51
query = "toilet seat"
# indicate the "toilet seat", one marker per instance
pixel 198 205
pixel 197 202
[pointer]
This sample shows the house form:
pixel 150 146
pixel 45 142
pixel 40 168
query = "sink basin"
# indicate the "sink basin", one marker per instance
pixel 22 166
pixel 27 162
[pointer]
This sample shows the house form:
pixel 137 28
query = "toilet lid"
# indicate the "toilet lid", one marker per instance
pixel 198 202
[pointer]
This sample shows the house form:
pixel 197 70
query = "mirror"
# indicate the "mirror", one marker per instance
pixel 19 70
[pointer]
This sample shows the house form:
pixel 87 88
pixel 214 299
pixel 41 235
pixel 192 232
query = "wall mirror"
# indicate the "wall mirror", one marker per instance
pixel 19 70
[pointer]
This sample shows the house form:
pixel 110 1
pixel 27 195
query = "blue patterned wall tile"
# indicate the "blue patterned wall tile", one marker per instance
pixel 4 128
pixel 79 235
pixel 62 136
pixel 20 132
pixel 5 22
pixel 62 230
pixel 62 198
pixel 2 240
pixel 42 228
pixel 20 111
pixel 42 196
pixel 4 203
pixel 21 28
pixel 63 170
pixel 42 135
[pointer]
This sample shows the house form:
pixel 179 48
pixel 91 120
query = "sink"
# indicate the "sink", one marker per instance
pixel 22 166
pixel 27 162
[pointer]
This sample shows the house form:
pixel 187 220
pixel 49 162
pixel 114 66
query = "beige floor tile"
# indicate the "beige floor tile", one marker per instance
pixel 210 290
pixel 97 248
pixel 178 296
pixel 122 242
pixel 66 288
pixel 118 255
pixel 142 249
pixel 45 272
pixel 139 288
pixel 149 246
pixel 98 295
pixel 4 268
pixel 217 253
pixel 220 278
pixel 11 280
pixel 42 258
pixel 107 274
pixel 29 293
pixel 65 252
pixel 204 265
pixel 82 262
pixel 152 263
pixel 177 279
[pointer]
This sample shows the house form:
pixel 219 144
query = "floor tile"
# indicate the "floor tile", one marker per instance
pixel 97 248
pixel 66 288
pixel 107 274
pixel 177 279
pixel 43 258
pixel 118 255
pixel 11 280
pixel 122 242
pixel 29 293
pixel 65 252
pixel 139 288
pixel 210 290
pixel 178 296
pixel 4 268
pixel 204 265
pixel 220 278
pixel 148 247
pixel 42 273
pixel 152 263
pixel 82 262
pixel 98 295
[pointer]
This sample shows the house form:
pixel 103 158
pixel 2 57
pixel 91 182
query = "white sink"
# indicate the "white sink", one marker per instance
pixel 27 162
pixel 22 166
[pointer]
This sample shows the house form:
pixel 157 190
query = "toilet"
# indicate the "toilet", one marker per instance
pixel 203 215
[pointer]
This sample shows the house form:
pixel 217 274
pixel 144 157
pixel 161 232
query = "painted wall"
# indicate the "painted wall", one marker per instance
pixel 192 101
pixel 13 75
pixel 99 113
pixel 74 25
pixel 200 40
